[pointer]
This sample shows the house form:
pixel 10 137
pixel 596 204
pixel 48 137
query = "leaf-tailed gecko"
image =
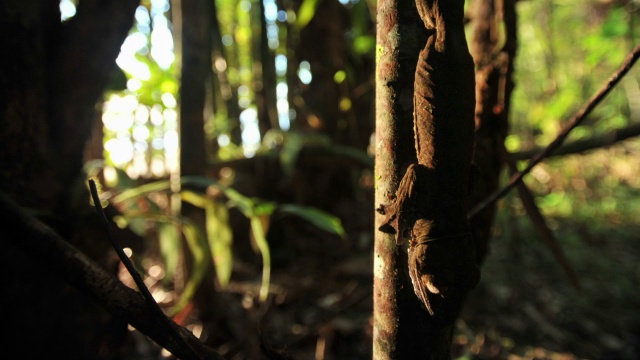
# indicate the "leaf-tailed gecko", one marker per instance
pixel 430 204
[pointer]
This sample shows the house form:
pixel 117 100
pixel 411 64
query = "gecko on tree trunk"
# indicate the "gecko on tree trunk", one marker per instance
pixel 430 204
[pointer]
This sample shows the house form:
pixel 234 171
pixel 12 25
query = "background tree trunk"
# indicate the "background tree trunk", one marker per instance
pixel 494 68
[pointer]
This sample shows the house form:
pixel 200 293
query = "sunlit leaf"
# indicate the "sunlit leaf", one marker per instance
pixel 220 237
pixel 259 236
pixel 512 142
pixel 264 208
pixel 197 245
pixel 170 249
pixel 195 199
pixel 143 190
pixel 317 217
pixel 245 204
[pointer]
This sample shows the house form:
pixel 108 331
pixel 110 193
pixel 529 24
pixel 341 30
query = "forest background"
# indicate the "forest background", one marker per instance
pixel 234 142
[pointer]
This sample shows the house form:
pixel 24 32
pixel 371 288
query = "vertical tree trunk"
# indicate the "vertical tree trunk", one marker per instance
pixel 430 203
pixel 196 76
pixel 399 332
pixel 322 44
pixel 264 74
pixel 493 96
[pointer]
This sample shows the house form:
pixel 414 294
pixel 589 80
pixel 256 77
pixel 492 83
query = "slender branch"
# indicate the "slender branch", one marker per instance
pixel 575 121
pixel 538 219
pixel 608 139
pixel 57 255
pixel 148 298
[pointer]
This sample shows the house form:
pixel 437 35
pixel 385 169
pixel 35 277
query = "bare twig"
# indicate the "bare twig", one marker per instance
pixel 575 121
pixel 55 254
pixel 607 139
pixel 148 298
pixel 538 220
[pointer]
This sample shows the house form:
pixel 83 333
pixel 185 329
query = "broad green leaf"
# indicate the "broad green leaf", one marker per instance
pixel 194 199
pixel 317 217
pixel 245 204
pixel 170 249
pixel 197 245
pixel 264 208
pixel 259 235
pixel 220 237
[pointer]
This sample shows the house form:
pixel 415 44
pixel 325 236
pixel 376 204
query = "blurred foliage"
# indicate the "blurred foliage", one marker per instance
pixel 567 51
pixel 144 209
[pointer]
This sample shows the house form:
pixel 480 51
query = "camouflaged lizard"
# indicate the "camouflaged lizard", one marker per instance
pixel 430 204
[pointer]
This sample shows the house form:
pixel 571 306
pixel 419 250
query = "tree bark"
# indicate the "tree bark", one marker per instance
pixel 429 205
pixel 398 332
pixel 49 88
pixel 195 96
pixel 494 85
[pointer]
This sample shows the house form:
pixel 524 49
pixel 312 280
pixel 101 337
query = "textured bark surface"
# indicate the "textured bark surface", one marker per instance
pixel 431 201
pixel 400 36
pixel 493 95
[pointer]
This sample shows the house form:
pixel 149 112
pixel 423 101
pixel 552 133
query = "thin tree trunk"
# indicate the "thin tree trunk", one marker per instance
pixel 493 97
pixel 264 71
pixel 194 96
pixel 429 205
pixel 399 333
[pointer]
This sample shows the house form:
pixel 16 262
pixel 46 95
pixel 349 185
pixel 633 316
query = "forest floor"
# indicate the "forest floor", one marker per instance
pixel 523 308
pixel 320 304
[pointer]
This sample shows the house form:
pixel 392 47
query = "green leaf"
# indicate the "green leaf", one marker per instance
pixel 170 249
pixel 260 238
pixel 245 204
pixel 317 217
pixel 195 199
pixel 197 245
pixel 220 237
pixel 264 208
pixel 616 24
pixel 132 194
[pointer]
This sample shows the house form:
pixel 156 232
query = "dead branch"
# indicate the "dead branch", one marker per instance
pixel 539 222
pixel 579 146
pixel 41 242
pixel 575 121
